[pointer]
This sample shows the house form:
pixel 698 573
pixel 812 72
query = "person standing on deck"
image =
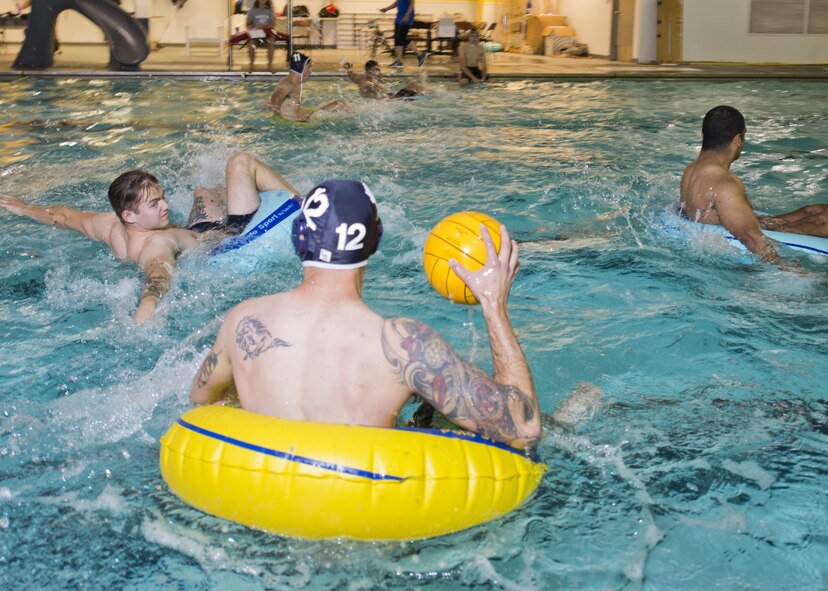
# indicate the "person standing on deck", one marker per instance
pixel 402 24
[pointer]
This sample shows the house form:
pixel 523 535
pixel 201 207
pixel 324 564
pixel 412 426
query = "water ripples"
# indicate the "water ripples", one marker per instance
pixel 702 468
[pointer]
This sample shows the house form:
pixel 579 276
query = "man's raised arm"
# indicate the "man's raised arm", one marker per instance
pixel 491 286
pixel 504 407
pixel 278 96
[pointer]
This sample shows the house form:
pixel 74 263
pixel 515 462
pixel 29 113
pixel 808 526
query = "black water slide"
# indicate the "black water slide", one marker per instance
pixel 127 39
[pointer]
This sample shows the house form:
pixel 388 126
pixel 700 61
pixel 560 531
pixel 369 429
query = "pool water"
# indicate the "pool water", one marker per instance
pixel 702 467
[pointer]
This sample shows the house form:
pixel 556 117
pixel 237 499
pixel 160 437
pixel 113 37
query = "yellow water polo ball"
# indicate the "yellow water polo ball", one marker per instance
pixel 457 237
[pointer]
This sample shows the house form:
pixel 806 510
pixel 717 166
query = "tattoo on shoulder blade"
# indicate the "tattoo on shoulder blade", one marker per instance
pixel 253 338
pixel 459 390
pixel 206 369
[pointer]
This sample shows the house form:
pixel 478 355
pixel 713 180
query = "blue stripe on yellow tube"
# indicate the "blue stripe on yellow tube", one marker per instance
pixel 287 455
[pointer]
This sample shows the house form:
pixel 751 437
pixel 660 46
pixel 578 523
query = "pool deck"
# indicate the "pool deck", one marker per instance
pixel 75 60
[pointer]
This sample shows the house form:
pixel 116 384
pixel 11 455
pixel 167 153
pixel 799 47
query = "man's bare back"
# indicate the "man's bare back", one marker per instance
pixel 311 343
pixel 700 185
pixel 711 194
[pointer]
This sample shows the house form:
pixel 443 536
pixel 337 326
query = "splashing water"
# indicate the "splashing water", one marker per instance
pixel 700 466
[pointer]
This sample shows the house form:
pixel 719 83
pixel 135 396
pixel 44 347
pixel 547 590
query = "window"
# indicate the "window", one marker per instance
pixel 818 17
pixel 789 17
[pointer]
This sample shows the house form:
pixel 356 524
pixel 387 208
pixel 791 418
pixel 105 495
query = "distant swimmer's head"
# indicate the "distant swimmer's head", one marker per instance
pixel 338 227
pixel 128 191
pixel 721 124
pixel 300 63
pixel 373 72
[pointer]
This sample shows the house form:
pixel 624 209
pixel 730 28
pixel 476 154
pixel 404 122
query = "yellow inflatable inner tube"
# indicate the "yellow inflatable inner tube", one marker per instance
pixel 319 480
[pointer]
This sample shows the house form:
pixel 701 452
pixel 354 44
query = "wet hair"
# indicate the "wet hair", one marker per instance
pixel 128 190
pixel 371 64
pixel 720 126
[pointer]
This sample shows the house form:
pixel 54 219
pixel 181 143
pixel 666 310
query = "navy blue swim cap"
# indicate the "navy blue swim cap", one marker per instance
pixel 298 62
pixel 338 226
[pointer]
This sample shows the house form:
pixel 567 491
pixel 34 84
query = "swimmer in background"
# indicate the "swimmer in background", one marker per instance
pixel 472 61
pixel 286 99
pixel 371 84
pixel 711 194
pixel 402 25
pixel 138 229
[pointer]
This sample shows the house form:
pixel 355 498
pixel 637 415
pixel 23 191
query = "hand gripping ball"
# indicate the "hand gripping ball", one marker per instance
pixel 457 237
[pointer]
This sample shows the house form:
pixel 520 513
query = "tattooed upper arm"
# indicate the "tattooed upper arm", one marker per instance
pixel 214 379
pixel 461 391
pixel 206 369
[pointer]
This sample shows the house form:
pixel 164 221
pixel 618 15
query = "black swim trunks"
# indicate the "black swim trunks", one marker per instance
pixel 475 72
pixel 232 226
pixel 405 93
pixel 400 35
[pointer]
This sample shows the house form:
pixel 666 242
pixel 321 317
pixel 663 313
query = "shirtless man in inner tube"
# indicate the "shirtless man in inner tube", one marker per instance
pixel 319 353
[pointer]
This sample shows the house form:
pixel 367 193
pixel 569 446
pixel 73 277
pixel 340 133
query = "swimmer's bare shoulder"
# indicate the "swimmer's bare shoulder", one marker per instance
pixel 117 239
pixel 165 244
pixel 181 239
pixel 705 188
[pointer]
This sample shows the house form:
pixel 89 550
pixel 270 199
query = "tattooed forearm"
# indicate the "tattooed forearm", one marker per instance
pixel 56 217
pixel 461 391
pixel 253 338
pixel 155 285
pixel 207 368
pixel 486 404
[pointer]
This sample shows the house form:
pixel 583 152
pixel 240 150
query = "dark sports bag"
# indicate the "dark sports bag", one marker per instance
pixel 329 11
pixel 300 11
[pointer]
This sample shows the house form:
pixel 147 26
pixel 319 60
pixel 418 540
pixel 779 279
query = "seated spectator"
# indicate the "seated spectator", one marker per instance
pixel 472 60
pixel 260 24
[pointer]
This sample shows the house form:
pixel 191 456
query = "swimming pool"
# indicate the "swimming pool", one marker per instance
pixel 702 468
